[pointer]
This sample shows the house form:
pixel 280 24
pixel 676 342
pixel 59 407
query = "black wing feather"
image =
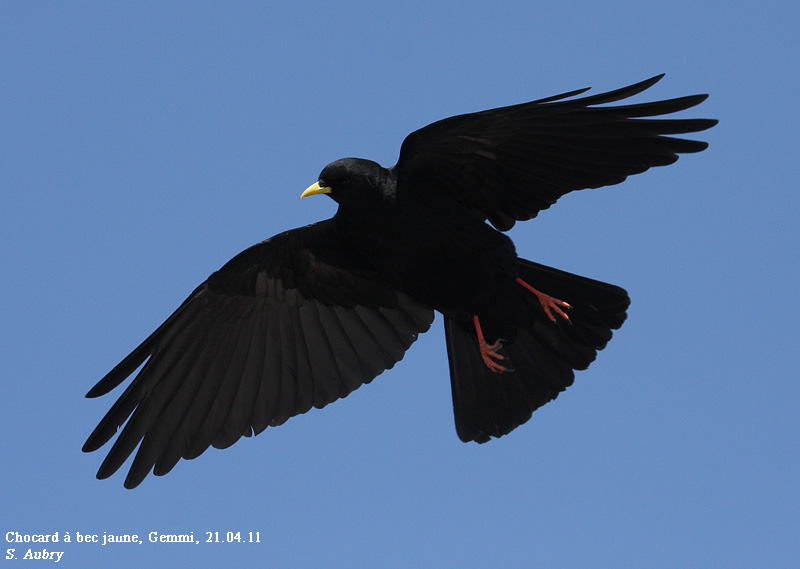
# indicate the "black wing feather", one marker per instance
pixel 512 162
pixel 292 323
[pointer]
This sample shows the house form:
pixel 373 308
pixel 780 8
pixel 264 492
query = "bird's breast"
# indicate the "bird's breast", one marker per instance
pixel 448 262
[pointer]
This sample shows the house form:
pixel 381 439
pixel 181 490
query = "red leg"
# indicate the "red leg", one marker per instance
pixel 548 302
pixel 489 351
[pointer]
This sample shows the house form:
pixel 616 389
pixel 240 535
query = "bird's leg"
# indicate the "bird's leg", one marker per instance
pixel 548 303
pixel 489 351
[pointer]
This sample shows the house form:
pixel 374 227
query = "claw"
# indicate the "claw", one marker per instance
pixel 490 352
pixel 549 304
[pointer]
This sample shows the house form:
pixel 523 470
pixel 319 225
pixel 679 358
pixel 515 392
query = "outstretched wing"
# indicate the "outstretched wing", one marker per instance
pixel 510 163
pixel 294 322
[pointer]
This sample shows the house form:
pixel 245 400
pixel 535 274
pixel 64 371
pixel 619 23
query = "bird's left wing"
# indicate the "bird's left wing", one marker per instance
pixel 294 322
pixel 509 163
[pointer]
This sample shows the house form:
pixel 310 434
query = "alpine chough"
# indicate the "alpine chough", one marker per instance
pixel 309 315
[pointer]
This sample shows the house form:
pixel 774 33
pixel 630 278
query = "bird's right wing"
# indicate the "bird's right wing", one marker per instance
pixel 294 322
pixel 512 162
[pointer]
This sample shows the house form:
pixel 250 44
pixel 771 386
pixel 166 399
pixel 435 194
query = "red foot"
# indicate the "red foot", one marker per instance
pixel 489 351
pixel 548 302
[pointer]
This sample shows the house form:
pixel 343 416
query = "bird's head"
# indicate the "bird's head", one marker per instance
pixel 354 183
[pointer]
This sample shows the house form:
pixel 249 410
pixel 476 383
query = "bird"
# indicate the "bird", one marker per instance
pixel 307 316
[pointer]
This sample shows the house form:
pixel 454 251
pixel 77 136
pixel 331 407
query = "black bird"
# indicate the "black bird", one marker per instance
pixel 305 317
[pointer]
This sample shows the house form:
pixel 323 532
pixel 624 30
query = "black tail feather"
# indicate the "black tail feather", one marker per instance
pixel 543 355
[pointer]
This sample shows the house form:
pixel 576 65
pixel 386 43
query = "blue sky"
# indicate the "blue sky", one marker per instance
pixel 142 145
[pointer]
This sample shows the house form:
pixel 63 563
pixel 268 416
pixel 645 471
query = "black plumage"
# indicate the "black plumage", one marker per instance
pixel 307 316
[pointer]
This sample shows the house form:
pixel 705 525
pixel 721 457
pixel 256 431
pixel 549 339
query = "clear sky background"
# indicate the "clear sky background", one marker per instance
pixel 144 144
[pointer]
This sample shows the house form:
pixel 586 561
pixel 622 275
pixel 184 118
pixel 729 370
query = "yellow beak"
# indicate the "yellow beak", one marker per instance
pixel 315 189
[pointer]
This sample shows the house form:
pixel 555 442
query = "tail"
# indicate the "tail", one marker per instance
pixel 543 355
